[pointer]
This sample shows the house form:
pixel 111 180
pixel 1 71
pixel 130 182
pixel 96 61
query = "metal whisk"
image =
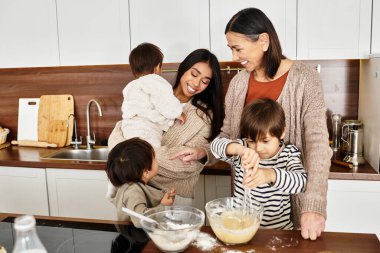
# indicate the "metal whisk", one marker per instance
pixel 247 201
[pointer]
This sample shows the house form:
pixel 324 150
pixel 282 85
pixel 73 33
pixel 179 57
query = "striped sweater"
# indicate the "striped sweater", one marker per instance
pixel 291 178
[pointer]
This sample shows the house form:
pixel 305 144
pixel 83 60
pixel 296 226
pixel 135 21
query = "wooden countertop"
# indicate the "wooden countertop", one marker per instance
pixel 268 240
pixel 31 157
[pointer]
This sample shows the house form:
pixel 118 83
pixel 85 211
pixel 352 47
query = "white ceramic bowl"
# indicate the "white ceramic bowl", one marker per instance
pixel 178 227
pixel 230 222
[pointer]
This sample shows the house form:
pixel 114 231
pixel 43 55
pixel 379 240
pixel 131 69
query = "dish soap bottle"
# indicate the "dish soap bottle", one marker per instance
pixel 27 240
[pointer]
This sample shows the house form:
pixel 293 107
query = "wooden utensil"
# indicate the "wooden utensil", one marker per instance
pixel 341 163
pixel 4 145
pixel 54 124
pixel 30 143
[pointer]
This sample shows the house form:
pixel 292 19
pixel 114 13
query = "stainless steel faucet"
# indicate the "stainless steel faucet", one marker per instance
pixel 74 142
pixel 91 142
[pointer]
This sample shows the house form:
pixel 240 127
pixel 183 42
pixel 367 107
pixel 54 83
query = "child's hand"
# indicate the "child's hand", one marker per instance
pixel 168 198
pixel 249 158
pixel 182 118
pixel 252 179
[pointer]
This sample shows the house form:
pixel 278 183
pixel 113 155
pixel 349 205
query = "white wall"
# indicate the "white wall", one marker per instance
pixel 369 113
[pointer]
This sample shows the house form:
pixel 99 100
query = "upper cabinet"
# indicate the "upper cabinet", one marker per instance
pixel 375 45
pixel 28 34
pixel 283 15
pixel 334 29
pixel 93 32
pixel 176 26
pixel 101 32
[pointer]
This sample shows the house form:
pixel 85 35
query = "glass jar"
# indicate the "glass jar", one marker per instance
pixel 336 121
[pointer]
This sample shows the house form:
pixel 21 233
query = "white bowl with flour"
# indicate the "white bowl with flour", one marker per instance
pixel 177 227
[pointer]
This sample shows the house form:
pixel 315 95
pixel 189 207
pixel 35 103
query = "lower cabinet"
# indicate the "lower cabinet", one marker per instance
pixel 199 193
pixel 353 206
pixel 216 187
pixel 23 190
pixel 79 194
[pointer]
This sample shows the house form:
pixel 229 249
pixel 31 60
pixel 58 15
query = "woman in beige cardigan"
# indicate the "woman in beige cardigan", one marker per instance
pixel 198 86
pixel 268 74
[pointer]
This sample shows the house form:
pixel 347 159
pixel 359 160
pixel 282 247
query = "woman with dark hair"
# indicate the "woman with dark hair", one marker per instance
pixel 268 74
pixel 198 87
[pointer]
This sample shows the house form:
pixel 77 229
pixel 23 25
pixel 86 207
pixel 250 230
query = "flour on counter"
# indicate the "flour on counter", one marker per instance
pixel 275 243
pixel 238 251
pixel 205 242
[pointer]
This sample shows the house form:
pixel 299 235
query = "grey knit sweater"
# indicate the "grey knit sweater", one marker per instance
pixel 306 128
pixel 173 173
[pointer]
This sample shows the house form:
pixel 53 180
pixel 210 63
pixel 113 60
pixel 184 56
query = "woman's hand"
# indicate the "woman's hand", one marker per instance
pixel 188 155
pixel 168 198
pixel 312 225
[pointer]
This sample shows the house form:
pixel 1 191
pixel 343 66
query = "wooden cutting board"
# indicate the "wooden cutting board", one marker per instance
pixel 54 124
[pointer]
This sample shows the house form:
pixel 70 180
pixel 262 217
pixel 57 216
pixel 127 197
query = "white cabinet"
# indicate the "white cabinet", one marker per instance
pixel 217 187
pixel 93 32
pixel 333 29
pixel 375 45
pixel 28 31
pixel 199 193
pixel 23 190
pixel 369 90
pixel 79 193
pixel 283 15
pixel 176 26
pixel 353 206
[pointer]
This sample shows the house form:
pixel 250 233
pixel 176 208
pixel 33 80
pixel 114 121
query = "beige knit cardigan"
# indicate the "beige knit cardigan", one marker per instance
pixel 173 173
pixel 305 111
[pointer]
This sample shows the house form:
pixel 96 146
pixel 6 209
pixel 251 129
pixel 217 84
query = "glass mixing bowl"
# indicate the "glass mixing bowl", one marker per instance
pixel 231 222
pixel 177 226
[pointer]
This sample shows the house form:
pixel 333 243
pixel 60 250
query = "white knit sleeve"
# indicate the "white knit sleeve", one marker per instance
pixel 162 97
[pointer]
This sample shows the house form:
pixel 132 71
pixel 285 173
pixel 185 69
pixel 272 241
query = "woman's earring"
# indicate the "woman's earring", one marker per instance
pixel 281 142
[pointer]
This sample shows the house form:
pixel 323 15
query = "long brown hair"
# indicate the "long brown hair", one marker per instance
pixel 211 100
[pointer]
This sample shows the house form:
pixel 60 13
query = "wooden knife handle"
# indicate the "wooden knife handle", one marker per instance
pixel 30 143
pixel 341 163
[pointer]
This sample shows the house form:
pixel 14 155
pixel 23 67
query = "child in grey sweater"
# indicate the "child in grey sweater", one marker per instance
pixel 130 166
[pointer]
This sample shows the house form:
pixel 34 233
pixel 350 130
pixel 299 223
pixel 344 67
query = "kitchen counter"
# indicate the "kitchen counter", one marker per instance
pixel 76 235
pixel 31 157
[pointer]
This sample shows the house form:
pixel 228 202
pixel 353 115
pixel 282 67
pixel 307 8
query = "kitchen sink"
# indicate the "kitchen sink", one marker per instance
pixel 98 154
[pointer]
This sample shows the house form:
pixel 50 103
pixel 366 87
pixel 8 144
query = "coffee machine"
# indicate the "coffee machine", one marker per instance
pixel 353 146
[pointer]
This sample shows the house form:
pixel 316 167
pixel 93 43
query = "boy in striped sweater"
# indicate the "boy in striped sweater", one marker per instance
pixel 263 163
